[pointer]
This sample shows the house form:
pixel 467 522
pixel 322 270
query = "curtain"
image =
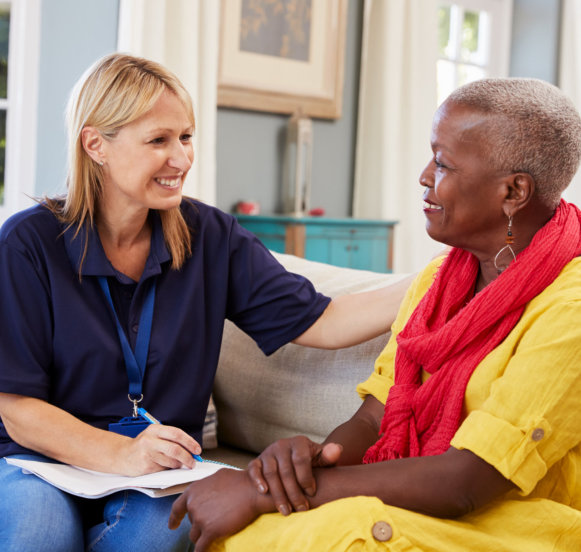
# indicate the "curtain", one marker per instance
pixel 183 35
pixel 570 71
pixel 397 100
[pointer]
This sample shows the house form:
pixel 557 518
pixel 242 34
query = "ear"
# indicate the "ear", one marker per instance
pixel 92 143
pixel 519 190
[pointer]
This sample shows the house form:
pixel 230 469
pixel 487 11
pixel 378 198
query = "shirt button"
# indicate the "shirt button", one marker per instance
pixel 538 434
pixel 135 327
pixel 381 531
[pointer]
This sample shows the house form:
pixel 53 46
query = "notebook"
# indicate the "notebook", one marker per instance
pixel 92 484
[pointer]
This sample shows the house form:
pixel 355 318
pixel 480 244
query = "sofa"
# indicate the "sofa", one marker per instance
pixel 297 390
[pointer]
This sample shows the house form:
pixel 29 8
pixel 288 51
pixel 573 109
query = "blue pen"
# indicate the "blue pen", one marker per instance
pixel 142 412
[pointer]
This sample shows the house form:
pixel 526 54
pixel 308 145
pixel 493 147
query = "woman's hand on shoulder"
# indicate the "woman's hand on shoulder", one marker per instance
pixel 157 448
pixel 285 470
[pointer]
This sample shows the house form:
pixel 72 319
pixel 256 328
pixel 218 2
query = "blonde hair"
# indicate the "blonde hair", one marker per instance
pixel 533 128
pixel 115 91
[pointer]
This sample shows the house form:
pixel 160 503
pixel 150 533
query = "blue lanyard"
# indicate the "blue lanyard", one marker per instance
pixel 134 362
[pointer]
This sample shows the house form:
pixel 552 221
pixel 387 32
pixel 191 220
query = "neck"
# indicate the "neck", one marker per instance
pixel 126 240
pixel 526 224
pixel 122 231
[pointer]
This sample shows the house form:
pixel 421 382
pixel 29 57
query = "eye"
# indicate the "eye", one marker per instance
pixel 159 140
pixel 186 137
pixel 439 164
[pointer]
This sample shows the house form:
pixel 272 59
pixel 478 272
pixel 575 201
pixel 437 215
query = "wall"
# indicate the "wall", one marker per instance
pixel 535 44
pixel 250 145
pixel 74 33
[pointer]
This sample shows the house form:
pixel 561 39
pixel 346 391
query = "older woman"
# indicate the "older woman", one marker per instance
pixel 114 298
pixel 476 396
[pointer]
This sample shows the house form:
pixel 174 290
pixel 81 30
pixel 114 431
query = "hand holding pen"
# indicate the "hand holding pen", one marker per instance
pixel 158 447
pixel 142 412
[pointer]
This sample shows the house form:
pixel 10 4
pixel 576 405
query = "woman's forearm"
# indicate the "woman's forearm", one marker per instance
pixel 48 430
pixel 358 433
pixel 352 319
pixel 449 485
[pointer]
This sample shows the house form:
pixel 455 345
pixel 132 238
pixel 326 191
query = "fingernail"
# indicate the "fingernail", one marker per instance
pixel 284 509
pixel 310 491
pixel 261 489
pixel 302 507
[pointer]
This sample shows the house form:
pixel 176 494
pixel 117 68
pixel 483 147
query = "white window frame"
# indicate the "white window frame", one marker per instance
pixel 22 106
pixel 500 11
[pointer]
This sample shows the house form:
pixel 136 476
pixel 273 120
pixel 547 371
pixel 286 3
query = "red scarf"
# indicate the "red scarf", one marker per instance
pixel 449 338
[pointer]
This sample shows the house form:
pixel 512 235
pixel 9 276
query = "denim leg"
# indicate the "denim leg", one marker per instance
pixel 35 515
pixel 135 521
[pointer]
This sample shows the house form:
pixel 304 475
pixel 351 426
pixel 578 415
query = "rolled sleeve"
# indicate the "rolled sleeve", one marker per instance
pixel 528 420
pixel 512 450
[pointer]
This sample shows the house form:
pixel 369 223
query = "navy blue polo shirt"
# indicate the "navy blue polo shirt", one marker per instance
pixel 58 338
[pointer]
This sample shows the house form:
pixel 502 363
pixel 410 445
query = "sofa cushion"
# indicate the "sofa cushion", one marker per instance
pixel 296 390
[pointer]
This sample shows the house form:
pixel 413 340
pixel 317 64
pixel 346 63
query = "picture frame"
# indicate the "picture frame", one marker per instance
pixel 283 56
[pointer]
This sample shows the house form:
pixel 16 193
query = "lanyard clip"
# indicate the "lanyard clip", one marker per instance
pixel 135 403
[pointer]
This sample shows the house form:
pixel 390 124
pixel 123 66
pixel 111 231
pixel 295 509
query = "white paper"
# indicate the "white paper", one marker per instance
pixel 92 484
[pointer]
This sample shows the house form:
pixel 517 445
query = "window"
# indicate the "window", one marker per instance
pixel 473 41
pixel 19 42
pixel 4 37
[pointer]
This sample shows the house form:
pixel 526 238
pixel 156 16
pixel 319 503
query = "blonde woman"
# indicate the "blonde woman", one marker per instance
pixel 113 298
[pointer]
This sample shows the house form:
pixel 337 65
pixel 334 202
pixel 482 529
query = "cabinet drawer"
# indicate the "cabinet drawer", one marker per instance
pixel 347 232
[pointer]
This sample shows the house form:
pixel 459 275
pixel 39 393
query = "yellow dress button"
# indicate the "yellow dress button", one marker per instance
pixel 538 434
pixel 381 531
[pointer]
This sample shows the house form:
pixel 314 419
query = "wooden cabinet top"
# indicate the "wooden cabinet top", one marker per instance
pixel 289 219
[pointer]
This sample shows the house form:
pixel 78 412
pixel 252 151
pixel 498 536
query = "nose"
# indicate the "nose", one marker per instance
pixel 427 175
pixel 181 156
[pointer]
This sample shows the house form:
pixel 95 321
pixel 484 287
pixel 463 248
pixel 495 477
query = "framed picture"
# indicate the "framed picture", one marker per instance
pixel 283 56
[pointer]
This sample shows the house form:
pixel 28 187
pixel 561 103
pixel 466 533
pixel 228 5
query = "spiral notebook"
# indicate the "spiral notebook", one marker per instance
pixel 92 484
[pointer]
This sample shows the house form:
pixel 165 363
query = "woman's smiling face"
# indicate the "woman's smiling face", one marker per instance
pixel 463 191
pixel 147 162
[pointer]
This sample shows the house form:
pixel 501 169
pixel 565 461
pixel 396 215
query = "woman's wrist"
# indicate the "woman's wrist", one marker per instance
pixel 262 503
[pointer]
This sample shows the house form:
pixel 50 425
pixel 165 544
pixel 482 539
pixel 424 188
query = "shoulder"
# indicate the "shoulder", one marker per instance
pixel 566 287
pixel 570 276
pixel 212 227
pixel 416 291
pixel 562 298
pixel 197 213
pixel 35 224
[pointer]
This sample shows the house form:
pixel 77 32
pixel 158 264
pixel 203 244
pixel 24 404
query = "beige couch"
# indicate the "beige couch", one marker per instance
pixel 297 390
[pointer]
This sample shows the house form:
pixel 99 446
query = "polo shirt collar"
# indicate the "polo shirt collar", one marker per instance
pixel 96 262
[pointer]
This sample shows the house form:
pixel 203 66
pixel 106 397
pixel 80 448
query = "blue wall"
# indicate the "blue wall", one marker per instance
pixel 535 43
pixel 74 33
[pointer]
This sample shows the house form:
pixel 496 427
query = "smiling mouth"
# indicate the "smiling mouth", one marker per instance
pixel 170 183
pixel 432 206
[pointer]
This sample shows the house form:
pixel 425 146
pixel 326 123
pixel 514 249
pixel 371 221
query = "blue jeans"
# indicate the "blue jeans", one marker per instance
pixel 37 516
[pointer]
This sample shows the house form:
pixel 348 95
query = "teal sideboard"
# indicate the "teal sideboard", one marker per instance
pixel 353 243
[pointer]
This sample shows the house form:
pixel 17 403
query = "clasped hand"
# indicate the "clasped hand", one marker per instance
pixel 280 478
pixel 285 470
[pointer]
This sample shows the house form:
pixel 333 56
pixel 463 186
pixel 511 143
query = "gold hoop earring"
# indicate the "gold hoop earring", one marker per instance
pixel 506 250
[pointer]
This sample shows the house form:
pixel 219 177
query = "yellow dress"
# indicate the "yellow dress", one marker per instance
pixel 522 415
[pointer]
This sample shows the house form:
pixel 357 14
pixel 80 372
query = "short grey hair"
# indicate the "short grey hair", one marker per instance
pixel 535 128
